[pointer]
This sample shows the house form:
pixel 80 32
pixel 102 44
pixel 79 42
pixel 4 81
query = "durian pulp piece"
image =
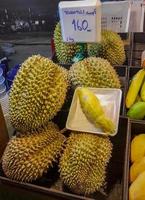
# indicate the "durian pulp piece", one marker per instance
pixel 94 72
pixel 27 156
pixel 137 188
pixel 93 110
pixel 84 161
pixel 37 94
pixel 137 168
pixel 138 147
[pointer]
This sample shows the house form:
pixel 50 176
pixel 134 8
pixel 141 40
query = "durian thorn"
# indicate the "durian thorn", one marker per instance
pixel 63 130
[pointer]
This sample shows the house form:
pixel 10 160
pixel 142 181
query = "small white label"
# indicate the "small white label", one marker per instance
pixel 116 16
pixel 80 21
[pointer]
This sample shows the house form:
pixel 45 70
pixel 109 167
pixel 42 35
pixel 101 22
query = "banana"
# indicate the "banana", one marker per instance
pixel 137 111
pixel 142 93
pixel 138 98
pixel 93 110
pixel 134 87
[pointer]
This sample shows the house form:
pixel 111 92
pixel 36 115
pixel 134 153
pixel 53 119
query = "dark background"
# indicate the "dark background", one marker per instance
pixel 27 15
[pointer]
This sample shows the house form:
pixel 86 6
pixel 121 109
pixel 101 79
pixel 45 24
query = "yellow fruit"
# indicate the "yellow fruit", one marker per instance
pixel 137 168
pixel 138 98
pixel 142 93
pixel 138 147
pixel 93 110
pixel 137 188
pixel 134 88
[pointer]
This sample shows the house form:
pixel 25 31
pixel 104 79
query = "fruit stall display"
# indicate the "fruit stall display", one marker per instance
pixel 44 156
pixel 60 162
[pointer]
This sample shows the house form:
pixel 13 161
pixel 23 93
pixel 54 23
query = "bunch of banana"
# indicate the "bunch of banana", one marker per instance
pixel 93 110
pixel 135 99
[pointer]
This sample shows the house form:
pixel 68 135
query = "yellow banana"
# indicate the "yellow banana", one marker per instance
pixel 142 93
pixel 134 87
pixel 93 110
pixel 138 98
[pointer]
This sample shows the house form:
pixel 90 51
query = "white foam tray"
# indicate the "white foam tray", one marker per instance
pixel 110 100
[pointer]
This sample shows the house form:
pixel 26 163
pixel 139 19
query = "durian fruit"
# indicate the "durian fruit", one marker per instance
pixel 94 111
pixel 37 94
pixel 84 161
pixel 94 72
pixel 28 156
pixel 64 51
pixel 111 48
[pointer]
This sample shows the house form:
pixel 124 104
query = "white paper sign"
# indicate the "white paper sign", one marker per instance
pixel 137 16
pixel 116 16
pixel 80 21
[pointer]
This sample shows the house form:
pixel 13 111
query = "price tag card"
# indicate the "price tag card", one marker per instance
pixel 80 21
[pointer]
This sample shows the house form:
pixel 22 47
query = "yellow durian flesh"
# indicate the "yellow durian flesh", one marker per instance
pixel 93 110
pixel 136 168
pixel 138 147
pixel 137 188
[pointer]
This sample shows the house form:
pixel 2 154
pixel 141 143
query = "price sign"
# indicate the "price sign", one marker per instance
pixel 80 21
pixel 116 16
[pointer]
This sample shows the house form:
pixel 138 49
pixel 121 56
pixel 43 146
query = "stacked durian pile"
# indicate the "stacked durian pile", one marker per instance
pixel 111 48
pixel 37 95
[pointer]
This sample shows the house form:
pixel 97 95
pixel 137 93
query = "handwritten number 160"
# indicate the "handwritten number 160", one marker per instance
pixel 80 25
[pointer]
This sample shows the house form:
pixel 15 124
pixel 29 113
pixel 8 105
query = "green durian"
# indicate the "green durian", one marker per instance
pixel 37 94
pixel 111 48
pixel 27 156
pixel 84 161
pixel 94 72
pixel 64 51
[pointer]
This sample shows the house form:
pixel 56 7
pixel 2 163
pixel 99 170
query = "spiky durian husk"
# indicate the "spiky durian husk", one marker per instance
pixel 28 156
pixel 94 72
pixel 64 51
pixel 94 49
pixel 84 161
pixel 37 94
pixel 110 48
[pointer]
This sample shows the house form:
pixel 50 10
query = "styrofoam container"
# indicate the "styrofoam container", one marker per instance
pixel 2 82
pixel 2 91
pixel 1 71
pixel 109 98
pixel 4 101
